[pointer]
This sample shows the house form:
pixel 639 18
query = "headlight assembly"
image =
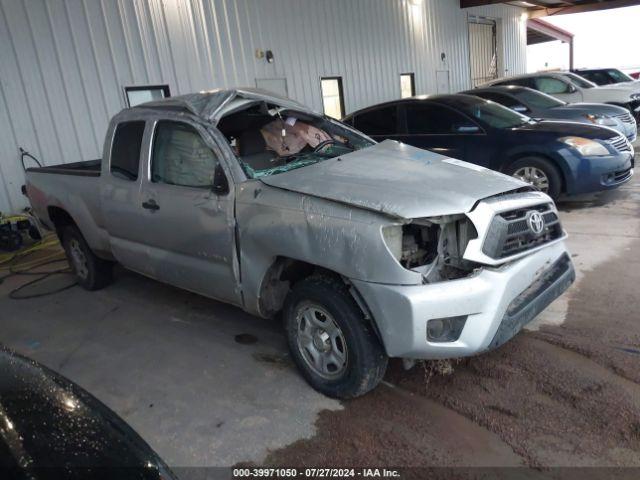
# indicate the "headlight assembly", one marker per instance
pixel 635 96
pixel 601 120
pixel 586 147
pixel 392 236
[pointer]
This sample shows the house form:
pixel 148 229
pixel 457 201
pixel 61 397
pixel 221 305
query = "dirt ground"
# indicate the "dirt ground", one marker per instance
pixel 565 395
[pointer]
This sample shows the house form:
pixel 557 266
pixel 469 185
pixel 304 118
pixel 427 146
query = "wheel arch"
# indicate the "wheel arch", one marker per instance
pixel 60 219
pixel 554 163
pixel 285 272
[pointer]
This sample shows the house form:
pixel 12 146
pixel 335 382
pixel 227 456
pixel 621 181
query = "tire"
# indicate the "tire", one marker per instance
pixel 550 171
pixel 92 272
pixel 318 304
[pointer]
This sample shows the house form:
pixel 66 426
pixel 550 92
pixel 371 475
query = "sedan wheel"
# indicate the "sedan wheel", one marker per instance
pixel 533 176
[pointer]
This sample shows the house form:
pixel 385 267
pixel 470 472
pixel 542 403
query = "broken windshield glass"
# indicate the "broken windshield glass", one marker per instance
pixel 268 140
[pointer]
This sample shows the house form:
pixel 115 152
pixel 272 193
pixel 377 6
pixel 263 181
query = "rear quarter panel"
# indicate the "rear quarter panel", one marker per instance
pixel 79 196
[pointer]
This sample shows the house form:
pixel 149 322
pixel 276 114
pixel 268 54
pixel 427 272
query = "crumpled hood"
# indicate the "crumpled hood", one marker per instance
pixel 397 179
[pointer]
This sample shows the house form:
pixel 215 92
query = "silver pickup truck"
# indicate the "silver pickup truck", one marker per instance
pixel 368 251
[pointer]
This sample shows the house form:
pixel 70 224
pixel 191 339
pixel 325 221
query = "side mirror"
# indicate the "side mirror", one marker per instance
pixel 220 182
pixel 466 128
pixel 571 89
pixel 520 109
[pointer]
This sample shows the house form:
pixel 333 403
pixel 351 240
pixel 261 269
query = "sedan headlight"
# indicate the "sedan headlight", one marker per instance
pixel 635 96
pixel 586 147
pixel 601 120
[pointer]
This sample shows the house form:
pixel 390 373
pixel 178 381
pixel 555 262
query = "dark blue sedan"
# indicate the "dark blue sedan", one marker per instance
pixel 559 158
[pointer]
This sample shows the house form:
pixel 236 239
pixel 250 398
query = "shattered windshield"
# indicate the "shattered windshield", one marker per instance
pixel 269 140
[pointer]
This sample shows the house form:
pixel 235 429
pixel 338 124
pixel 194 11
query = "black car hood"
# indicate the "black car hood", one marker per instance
pixel 51 428
pixel 568 129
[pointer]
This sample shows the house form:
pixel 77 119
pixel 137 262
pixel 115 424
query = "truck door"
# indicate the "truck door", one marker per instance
pixel 189 229
pixel 120 194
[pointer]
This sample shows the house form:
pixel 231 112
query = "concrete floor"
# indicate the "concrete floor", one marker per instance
pixel 167 361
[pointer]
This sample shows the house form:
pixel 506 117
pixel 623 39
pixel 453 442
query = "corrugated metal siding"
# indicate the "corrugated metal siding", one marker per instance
pixel 63 63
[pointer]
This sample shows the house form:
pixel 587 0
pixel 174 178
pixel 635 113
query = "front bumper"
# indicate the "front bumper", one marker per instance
pixel 498 302
pixel 594 174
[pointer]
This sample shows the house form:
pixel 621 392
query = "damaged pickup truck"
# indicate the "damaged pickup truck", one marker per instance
pixel 368 251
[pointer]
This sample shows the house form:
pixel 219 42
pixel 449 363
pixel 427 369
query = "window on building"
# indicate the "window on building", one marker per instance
pixel 332 96
pixel 181 157
pixel 145 93
pixel 382 121
pixel 125 150
pixel 427 119
pixel 407 85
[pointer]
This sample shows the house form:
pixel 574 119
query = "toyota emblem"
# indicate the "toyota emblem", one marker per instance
pixel 536 222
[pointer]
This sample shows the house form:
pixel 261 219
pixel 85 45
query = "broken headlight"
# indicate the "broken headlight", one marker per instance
pixel 423 241
pixel 412 245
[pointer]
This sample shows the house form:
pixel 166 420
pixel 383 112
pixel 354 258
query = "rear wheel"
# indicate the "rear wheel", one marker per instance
pixel 539 173
pixel 92 272
pixel 330 341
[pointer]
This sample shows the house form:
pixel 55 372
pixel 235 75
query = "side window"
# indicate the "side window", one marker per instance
pixel 181 157
pixel 382 121
pixel 551 85
pixel 429 119
pixel 125 150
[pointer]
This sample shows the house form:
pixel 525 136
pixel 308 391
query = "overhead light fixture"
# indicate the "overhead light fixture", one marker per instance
pixel 416 3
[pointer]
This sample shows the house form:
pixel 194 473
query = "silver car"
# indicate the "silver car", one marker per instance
pixel 539 105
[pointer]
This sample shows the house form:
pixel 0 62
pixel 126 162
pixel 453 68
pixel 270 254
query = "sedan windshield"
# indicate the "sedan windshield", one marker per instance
pixel 537 99
pixel 579 81
pixel 494 114
pixel 269 140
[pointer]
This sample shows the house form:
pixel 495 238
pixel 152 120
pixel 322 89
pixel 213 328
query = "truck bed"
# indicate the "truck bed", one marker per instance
pixel 89 168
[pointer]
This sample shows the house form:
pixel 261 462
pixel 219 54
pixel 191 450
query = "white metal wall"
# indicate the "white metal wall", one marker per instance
pixel 63 63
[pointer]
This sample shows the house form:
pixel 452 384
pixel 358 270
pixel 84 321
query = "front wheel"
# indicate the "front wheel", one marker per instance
pixel 539 173
pixel 330 341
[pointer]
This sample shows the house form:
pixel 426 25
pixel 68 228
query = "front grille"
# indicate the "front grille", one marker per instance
pixel 620 143
pixel 511 234
pixel 625 118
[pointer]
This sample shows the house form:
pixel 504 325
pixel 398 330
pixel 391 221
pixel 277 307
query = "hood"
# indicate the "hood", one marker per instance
pixel 595 108
pixel 635 85
pixel 398 180
pixel 608 93
pixel 568 129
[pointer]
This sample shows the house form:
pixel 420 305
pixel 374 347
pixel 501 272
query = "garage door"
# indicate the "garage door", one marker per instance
pixel 482 50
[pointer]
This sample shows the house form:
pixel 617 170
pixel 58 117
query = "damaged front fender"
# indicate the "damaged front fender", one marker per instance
pixel 275 223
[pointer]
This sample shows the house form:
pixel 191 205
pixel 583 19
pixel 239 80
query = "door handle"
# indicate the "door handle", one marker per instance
pixel 151 205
